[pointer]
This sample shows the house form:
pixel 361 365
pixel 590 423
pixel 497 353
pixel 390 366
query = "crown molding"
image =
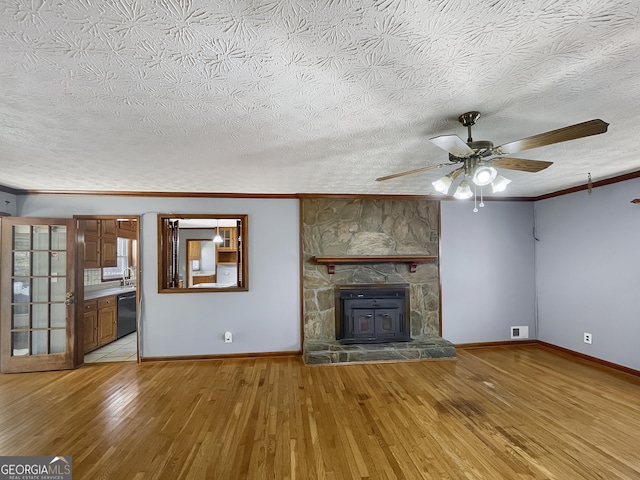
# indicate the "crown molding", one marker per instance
pixel 302 196
pixel 599 183
pixel 112 193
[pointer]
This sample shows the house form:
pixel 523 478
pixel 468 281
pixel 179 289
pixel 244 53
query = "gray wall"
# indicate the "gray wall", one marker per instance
pixel 264 319
pixel 586 268
pixel 588 271
pixel 486 269
pixel 10 207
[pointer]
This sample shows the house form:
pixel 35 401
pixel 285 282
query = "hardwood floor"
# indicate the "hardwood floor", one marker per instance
pixel 498 413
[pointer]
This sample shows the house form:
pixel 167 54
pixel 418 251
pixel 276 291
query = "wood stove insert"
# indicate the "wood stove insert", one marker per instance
pixel 372 313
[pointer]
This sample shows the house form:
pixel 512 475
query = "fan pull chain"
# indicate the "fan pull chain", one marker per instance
pixel 589 184
pixel 475 199
pixel 481 198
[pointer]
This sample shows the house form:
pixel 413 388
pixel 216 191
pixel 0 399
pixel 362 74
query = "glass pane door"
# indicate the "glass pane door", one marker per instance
pixel 37 254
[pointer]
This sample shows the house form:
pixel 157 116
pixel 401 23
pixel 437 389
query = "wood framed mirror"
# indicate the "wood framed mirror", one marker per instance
pixel 202 253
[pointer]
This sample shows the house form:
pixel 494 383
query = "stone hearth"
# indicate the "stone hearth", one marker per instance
pixel 427 347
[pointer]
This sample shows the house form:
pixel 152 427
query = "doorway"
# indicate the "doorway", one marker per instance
pixel 59 295
pixel 108 264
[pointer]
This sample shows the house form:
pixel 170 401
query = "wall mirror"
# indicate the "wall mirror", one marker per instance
pixel 202 253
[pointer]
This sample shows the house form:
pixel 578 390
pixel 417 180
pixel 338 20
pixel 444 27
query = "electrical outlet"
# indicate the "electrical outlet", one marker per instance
pixel 228 337
pixel 588 338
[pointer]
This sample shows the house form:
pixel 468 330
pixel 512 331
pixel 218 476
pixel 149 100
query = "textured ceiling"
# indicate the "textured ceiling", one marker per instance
pixel 309 96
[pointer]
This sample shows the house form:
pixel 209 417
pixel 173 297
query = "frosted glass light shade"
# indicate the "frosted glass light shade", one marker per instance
pixel 463 191
pixel 443 184
pixel 500 184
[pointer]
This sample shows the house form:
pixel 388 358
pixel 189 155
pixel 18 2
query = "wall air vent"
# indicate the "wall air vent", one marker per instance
pixel 519 332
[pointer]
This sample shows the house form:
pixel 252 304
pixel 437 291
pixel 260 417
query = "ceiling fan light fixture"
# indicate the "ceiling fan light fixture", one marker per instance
pixel 443 184
pixel 463 191
pixel 484 175
pixel 499 184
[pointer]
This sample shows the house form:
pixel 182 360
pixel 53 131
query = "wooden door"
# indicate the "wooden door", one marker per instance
pixel 37 294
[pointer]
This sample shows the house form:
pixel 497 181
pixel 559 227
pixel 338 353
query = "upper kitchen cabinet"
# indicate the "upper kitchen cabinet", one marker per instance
pixel 194 250
pixel 100 243
pixel 229 239
pixel 127 229
pixel 90 226
pixel 108 228
pixel 108 243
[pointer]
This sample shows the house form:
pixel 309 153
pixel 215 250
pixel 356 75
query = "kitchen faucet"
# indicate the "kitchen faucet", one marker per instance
pixel 128 281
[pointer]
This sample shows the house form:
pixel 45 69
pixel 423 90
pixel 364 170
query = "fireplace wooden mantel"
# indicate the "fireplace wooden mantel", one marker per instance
pixel 412 260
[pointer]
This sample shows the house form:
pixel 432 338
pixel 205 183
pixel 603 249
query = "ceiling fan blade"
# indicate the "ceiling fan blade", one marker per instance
pixel 411 172
pixel 452 144
pixel 572 132
pixel 521 164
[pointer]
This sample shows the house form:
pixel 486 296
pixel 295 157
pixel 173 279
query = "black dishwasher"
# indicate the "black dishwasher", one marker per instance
pixel 126 314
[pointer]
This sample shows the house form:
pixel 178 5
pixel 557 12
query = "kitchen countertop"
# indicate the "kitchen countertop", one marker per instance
pixel 107 291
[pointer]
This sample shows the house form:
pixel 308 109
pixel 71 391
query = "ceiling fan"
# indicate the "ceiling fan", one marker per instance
pixel 475 155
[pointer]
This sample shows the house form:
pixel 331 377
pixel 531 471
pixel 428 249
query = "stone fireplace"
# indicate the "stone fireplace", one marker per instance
pixel 385 229
pixel 372 313
pixel 339 226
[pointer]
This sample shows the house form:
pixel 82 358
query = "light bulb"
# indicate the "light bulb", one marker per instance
pixel 484 175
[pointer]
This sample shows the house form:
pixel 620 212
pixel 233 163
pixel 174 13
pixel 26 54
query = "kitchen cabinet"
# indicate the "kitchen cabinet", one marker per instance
pixel 227 251
pixel 108 227
pixel 99 322
pixel 193 250
pixel 91 251
pixel 107 320
pixel 90 325
pixel 100 243
pixel 108 243
pixel 227 258
pixel 91 230
pixel 108 252
pixel 90 226
pixel 229 239
pixel 198 279
pixel 127 229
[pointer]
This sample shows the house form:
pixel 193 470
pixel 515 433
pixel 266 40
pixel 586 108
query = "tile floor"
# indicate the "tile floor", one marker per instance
pixel 122 350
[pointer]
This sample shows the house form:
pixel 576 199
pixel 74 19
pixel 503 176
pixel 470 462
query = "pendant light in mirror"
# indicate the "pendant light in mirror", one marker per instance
pixel 217 239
